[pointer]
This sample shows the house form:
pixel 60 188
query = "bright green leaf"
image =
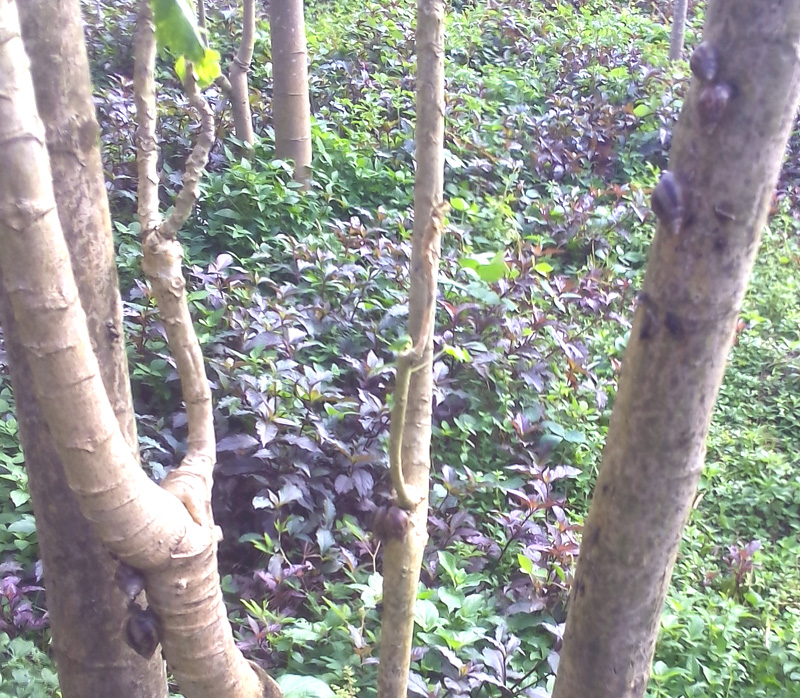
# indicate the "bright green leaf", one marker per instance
pixel 458 353
pixel 451 599
pixel 490 267
pixel 177 31
pixel 458 204
pixel 19 497
pixel 426 614
pixel 25 526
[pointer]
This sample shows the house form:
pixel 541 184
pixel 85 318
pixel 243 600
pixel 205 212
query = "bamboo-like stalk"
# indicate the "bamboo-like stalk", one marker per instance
pixel 239 87
pixel 291 109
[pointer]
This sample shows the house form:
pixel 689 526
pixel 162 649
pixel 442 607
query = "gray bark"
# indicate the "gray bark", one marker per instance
pixel 725 160
pixel 679 8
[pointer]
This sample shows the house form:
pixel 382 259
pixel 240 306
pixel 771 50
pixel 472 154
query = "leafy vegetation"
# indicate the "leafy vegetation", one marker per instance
pixel 558 121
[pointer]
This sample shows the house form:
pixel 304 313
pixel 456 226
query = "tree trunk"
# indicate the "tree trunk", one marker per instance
pixel 240 91
pixel 201 14
pixel 712 206
pixel 87 610
pixel 404 547
pixel 159 531
pixel 290 102
pixel 679 8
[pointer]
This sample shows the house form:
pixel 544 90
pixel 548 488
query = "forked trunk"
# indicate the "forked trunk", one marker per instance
pixel 87 611
pixel 165 532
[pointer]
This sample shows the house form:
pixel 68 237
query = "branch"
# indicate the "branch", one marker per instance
pixel 407 363
pixel 162 257
pixel 195 163
pixel 407 498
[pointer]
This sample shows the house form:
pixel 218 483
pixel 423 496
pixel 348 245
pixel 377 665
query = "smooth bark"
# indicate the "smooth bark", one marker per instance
pixel 679 8
pixel 402 555
pixel 87 611
pixel 291 108
pixel 725 160
pixel 153 529
pixel 240 89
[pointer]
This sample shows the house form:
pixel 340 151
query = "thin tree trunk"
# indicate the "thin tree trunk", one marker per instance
pixel 291 107
pixel 404 547
pixel 87 610
pixel 240 91
pixel 201 14
pixel 679 8
pixel 712 207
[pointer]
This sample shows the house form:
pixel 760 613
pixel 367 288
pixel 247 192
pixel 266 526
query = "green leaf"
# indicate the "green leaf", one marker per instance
pixel 525 564
pixel 401 344
pixel 458 353
pixel 753 599
pixel 554 428
pixel 177 31
pixel 26 526
pixel 426 614
pixel 294 686
pixel 458 204
pixel 450 564
pixel 489 267
pixel 19 497
pixel 574 436
pixel 456 639
pixel 451 599
pixel 473 607
pixel 228 213
pixel 324 540
pixel 697 627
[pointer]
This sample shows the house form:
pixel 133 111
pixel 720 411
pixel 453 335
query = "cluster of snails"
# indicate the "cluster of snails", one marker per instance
pixel 142 629
pixel 715 95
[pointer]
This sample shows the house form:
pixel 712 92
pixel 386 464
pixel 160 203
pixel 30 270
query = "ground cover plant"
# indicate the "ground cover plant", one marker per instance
pixel 558 121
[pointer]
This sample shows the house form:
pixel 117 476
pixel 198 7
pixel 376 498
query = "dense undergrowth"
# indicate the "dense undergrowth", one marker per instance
pixel 558 120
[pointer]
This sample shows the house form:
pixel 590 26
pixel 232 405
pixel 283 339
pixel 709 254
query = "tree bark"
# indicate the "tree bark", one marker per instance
pixel 156 530
pixel 291 107
pixel 725 160
pixel 679 8
pixel 402 554
pixel 87 610
pixel 201 14
pixel 240 90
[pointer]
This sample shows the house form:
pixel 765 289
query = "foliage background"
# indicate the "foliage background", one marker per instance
pixel 558 122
